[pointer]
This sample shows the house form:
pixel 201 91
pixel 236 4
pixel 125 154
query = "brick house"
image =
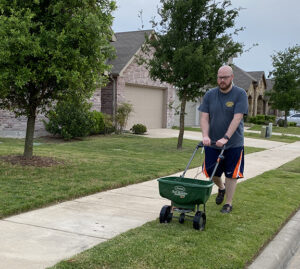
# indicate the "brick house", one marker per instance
pixel 129 82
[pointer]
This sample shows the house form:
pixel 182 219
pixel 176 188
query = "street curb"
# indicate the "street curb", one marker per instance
pixel 281 249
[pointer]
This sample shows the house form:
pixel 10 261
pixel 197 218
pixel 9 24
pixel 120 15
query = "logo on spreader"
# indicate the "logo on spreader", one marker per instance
pixel 179 191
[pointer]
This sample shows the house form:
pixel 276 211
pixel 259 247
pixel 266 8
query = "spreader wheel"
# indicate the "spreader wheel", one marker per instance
pixel 181 218
pixel 199 221
pixel 165 214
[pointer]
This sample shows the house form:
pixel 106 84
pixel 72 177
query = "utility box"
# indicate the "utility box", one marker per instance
pixel 268 135
pixel 270 128
pixel 263 131
pixel 266 131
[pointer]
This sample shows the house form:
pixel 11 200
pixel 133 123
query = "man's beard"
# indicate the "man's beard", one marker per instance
pixel 225 86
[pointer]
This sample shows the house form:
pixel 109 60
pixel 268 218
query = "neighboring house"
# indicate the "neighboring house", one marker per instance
pixel 254 83
pixel 129 83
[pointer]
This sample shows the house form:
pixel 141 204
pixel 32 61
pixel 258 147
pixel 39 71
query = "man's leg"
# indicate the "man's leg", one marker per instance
pixel 230 189
pixel 221 192
pixel 211 156
pixel 218 181
pixel 234 169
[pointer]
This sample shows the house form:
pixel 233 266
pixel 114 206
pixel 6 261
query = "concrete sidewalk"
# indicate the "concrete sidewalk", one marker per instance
pixel 43 237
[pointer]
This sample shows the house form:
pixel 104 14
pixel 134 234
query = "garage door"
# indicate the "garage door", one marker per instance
pixel 148 106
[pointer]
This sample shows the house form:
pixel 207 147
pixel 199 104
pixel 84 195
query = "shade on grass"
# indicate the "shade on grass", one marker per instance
pixel 261 206
pixel 93 165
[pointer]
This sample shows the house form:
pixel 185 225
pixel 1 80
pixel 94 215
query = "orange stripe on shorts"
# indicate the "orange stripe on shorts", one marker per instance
pixel 237 173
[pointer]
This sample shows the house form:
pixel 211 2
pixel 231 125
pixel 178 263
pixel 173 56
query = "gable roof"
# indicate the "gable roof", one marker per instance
pixel 257 74
pixel 126 45
pixel 242 78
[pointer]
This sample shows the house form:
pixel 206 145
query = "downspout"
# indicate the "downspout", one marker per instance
pixel 114 99
pixel 255 85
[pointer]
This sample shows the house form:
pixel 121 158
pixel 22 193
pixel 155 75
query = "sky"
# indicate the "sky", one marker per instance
pixel 272 24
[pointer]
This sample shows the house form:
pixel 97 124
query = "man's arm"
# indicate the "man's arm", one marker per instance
pixel 231 129
pixel 204 124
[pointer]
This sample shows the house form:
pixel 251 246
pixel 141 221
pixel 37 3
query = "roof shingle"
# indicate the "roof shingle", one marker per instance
pixel 126 45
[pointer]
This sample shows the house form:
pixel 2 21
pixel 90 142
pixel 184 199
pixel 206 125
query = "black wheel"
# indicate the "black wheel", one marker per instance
pixel 181 218
pixel 199 221
pixel 165 214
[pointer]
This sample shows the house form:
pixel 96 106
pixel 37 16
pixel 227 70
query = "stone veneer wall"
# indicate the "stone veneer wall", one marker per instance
pixel 16 127
pixel 139 75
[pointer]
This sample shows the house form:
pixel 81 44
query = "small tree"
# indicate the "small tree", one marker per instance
pixel 122 116
pixel 285 94
pixel 191 45
pixel 50 50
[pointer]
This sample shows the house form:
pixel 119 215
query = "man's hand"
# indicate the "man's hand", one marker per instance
pixel 221 142
pixel 206 141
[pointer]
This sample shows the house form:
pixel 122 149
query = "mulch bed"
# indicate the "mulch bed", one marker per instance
pixel 37 161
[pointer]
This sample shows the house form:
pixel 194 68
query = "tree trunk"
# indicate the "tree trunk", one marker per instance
pixel 285 124
pixel 28 150
pixel 181 123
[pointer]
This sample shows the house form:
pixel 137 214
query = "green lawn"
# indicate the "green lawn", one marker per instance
pixel 93 165
pixel 261 206
pixel 276 129
pixel 279 138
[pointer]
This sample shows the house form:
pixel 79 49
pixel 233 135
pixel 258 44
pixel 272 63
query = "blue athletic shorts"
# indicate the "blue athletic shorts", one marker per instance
pixel 232 165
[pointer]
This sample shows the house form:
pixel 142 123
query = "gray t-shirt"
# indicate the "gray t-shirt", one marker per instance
pixel 221 108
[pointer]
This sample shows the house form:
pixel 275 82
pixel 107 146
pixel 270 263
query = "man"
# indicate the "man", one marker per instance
pixel 221 122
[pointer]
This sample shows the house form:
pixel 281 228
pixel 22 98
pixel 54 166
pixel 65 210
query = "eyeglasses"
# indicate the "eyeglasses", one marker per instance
pixel 224 78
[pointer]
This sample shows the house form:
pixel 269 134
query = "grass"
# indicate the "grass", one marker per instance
pixel 93 165
pixel 261 206
pixel 279 138
pixel 277 129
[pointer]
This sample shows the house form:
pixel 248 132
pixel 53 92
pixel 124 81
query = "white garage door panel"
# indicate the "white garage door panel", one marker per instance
pixel 148 106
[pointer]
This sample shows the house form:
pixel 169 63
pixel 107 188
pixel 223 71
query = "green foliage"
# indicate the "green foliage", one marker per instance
pixel 71 119
pixel 285 94
pixel 108 124
pixel 292 124
pixel 50 50
pixel 191 44
pixel 261 119
pixel 122 115
pixel 139 128
pixel 193 40
pixel 98 125
pixel 280 122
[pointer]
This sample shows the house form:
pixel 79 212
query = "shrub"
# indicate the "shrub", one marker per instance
pixel 139 129
pixel 98 125
pixel 280 123
pixel 70 119
pixel 108 124
pixel 292 124
pixel 122 115
pixel 261 119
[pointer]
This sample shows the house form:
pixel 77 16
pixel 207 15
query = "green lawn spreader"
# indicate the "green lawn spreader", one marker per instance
pixel 186 195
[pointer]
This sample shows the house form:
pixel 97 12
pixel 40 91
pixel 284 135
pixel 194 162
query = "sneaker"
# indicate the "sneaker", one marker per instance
pixel 226 208
pixel 220 197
